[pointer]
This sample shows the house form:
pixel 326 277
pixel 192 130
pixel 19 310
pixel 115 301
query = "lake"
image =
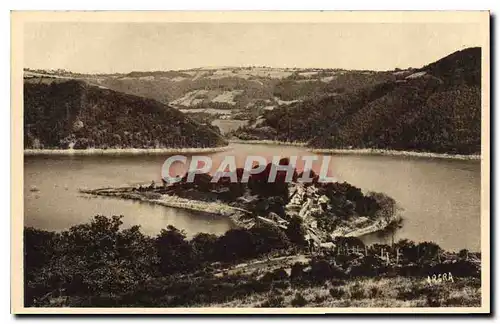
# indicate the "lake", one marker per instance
pixel 440 199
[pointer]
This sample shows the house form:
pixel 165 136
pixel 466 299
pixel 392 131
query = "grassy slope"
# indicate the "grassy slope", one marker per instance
pixel 368 292
pixel 243 286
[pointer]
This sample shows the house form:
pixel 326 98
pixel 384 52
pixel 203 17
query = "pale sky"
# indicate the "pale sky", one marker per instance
pixel 125 47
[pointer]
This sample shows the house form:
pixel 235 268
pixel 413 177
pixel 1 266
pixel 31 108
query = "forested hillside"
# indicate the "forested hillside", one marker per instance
pixel 73 114
pixel 436 108
pixel 238 92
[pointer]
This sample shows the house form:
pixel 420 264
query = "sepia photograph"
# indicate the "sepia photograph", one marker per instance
pixel 250 162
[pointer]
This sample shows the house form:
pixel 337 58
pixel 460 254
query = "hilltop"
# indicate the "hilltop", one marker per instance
pixel 61 113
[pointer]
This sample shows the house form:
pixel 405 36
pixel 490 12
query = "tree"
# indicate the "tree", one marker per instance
pixel 268 237
pixel 204 247
pixel 407 249
pixel 463 254
pixel 428 251
pixel 88 259
pixel 235 244
pixel 174 251
pixel 39 248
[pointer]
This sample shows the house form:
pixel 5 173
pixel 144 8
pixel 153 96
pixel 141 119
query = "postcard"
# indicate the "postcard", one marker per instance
pixel 250 162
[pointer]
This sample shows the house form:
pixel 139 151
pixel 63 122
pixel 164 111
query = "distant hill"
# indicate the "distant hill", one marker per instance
pixel 64 113
pixel 436 108
pixel 458 68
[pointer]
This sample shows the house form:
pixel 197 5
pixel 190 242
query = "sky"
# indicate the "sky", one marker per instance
pixel 125 47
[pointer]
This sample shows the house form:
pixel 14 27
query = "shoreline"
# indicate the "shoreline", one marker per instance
pixel 126 151
pixel 171 201
pixel 267 142
pixel 447 156
pixel 193 150
pixel 216 208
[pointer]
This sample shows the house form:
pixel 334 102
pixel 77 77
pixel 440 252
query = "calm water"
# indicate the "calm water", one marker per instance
pixel 440 198
pixel 227 125
pixel 207 110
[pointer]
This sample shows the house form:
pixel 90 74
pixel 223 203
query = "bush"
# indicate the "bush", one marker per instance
pixel 463 268
pixel 460 268
pixel 297 271
pixel 281 284
pixel 436 298
pixel 267 238
pixel 337 292
pixel 375 292
pixel 94 259
pixel 408 250
pixel 321 271
pixel 237 244
pixel 320 298
pixel 428 251
pixel 412 293
pixel 463 254
pixel 100 264
pixel 357 292
pixel 204 247
pixel 410 270
pixel 276 275
pixel 296 231
pixel 369 266
pixel 174 251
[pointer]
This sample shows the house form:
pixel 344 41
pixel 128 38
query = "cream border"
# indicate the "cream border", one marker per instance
pixel 18 19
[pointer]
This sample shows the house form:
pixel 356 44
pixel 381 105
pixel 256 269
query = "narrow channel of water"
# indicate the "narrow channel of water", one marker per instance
pixel 440 198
